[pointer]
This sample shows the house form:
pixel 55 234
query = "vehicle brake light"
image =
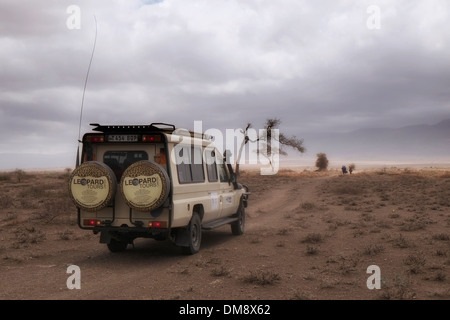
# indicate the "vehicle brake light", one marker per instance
pixel 95 139
pixel 151 138
pixel 91 222
pixel 157 224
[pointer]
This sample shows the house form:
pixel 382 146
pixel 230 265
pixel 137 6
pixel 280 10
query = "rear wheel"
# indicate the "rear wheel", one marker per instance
pixel 194 235
pixel 117 245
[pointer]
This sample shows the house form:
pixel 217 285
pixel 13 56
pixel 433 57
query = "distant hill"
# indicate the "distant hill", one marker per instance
pixel 410 143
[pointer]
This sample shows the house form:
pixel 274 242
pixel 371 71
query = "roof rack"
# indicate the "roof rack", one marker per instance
pixel 157 126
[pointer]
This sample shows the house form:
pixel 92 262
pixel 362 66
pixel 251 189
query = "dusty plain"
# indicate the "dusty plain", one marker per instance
pixel 309 235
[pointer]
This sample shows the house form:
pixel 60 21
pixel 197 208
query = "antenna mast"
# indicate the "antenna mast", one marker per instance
pixel 84 91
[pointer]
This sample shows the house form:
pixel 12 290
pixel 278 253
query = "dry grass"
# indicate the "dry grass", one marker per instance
pixel 313 238
pixel 314 242
pixel 262 277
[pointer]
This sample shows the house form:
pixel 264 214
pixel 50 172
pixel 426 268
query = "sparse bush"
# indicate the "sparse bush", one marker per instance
pixel 400 242
pixel 373 249
pixel 441 253
pixel 20 175
pixel 348 265
pixel 30 235
pixel 262 277
pixel 417 222
pixel 5 201
pixel 350 189
pixel 308 206
pixel 311 250
pixel 440 276
pixel 397 290
pixel 255 240
pixel 394 215
pixel 220 272
pixel 283 231
pixel 441 236
pixel 322 162
pixel 415 263
pixel 65 235
pixel 313 238
pixel 5 176
pixel 281 244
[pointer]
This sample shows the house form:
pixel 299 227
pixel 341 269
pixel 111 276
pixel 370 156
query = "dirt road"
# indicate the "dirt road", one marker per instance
pixel 302 241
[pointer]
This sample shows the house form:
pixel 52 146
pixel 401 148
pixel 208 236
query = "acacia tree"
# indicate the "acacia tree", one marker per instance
pixel 322 162
pixel 265 140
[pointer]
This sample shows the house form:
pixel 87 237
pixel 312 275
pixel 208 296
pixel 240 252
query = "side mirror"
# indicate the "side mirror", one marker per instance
pixel 233 178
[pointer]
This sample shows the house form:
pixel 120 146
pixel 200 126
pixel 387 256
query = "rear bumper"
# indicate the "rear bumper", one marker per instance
pixel 128 234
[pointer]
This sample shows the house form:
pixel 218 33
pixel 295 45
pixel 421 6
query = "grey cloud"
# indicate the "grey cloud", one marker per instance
pixel 316 66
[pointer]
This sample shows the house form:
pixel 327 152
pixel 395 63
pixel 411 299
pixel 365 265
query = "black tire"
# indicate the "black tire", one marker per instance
pixel 194 235
pixel 238 227
pixel 117 245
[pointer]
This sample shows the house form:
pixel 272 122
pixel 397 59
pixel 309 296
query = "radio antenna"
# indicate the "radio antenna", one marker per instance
pixel 84 91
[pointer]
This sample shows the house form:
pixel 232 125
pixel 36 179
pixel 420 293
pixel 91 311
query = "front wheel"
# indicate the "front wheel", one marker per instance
pixel 194 235
pixel 238 227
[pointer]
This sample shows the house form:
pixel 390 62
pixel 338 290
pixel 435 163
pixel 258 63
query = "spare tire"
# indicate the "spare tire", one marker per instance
pixel 145 185
pixel 92 186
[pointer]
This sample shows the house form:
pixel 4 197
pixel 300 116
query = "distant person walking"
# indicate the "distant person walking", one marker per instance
pixel 344 169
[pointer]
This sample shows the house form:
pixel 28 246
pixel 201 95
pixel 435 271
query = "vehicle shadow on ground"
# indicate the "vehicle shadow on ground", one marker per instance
pixel 146 250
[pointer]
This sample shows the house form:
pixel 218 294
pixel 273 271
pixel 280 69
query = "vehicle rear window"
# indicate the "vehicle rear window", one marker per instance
pixel 119 161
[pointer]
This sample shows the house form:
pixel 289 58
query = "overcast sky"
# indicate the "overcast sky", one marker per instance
pixel 317 65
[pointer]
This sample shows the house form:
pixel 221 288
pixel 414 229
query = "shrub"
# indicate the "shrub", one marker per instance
pixel 322 161
pixel 415 263
pixel 262 277
pixel 5 176
pixel 313 238
pixel 220 272
pixel 20 175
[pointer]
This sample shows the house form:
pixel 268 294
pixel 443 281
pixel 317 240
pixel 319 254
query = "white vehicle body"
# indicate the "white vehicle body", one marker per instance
pixel 154 181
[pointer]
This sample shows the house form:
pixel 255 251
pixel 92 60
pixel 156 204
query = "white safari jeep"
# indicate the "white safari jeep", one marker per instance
pixel 154 181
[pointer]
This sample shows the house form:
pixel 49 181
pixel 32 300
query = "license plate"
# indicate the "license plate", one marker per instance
pixel 123 138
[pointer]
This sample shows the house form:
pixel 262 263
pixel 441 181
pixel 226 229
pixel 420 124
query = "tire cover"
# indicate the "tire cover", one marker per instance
pixel 145 185
pixel 92 186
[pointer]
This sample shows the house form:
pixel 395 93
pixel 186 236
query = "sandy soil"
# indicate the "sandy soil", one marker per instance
pixel 309 235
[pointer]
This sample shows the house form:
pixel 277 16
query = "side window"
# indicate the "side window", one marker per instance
pixel 211 166
pixel 190 164
pixel 198 174
pixel 183 165
pixel 119 161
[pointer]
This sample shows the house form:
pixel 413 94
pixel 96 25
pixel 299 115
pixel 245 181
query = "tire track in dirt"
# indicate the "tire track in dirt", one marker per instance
pixel 269 208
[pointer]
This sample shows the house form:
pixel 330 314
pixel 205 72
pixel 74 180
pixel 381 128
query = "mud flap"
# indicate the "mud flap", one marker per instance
pixel 182 237
pixel 105 237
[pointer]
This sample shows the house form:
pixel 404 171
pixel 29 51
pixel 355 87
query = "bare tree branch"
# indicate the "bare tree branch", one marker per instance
pixel 270 124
